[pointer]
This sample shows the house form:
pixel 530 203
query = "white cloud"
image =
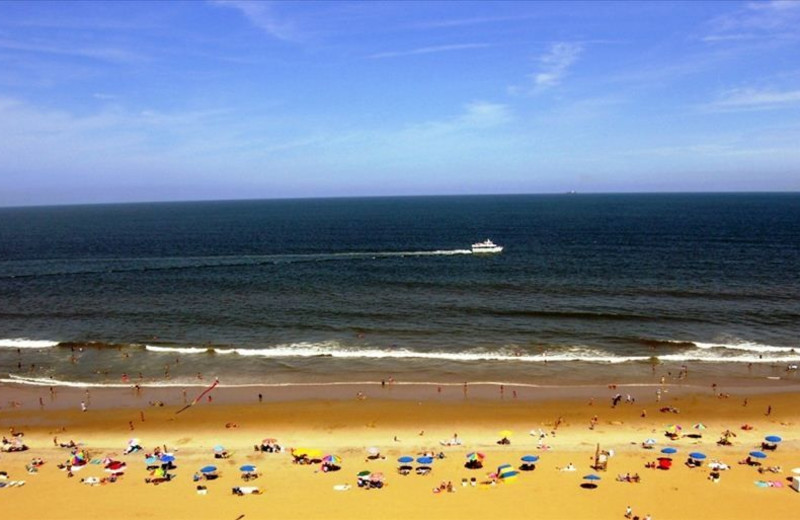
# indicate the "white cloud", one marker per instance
pixel 757 20
pixel 430 50
pixel 555 64
pixel 756 99
pixel 263 16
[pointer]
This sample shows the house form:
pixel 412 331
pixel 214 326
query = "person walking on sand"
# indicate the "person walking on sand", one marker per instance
pixel 628 512
pixel 769 410
pixel 83 406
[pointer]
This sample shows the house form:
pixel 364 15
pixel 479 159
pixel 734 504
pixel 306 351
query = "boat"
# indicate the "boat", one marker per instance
pixel 487 246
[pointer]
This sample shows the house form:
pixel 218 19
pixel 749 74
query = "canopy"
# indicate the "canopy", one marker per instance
pixel 332 459
pixel 697 455
pixel 529 458
pixel 405 459
pixel 772 438
pixel 758 454
pixel 669 450
pixel 248 468
pixel 504 467
pixel 208 469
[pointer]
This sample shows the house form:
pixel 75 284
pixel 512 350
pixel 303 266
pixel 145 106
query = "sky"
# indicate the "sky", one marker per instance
pixel 158 101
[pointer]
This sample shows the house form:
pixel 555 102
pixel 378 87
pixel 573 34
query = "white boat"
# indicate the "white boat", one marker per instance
pixel 486 246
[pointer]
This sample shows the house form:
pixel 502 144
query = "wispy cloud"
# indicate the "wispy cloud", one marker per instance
pixel 478 20
pixel 106 54
pixel 430 50
pixel 263 15
pixel 779 19
pixel 756 99
pixel 553 67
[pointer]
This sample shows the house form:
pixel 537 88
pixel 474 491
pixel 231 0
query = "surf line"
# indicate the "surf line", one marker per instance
pixel 197 399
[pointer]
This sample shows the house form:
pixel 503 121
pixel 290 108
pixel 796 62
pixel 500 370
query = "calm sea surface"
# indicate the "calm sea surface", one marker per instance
pixel 360 289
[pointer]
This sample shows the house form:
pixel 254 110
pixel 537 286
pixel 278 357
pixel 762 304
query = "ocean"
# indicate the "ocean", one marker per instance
pixel 588 287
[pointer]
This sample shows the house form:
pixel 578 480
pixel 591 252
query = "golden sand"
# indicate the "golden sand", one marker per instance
pixel 348 427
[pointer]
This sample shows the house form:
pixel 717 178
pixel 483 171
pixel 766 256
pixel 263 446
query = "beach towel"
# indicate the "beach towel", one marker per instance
pixel 341 487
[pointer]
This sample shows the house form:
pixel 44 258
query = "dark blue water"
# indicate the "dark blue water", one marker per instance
pixel 286 288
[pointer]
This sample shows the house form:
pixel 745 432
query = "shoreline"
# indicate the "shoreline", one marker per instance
pixel 131 395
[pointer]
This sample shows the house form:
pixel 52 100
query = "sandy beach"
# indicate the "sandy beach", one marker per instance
pixel 402 423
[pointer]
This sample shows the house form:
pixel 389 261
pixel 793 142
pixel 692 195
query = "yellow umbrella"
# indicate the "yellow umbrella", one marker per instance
pixel 506 433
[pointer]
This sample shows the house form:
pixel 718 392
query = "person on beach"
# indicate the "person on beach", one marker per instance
pixel 83 406
pixel 628 512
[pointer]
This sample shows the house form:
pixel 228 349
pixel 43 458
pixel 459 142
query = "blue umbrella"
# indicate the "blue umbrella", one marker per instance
pixel 591 476
pixel 530 458
pixel 405 459
pixel 669 450
pixel 248 468
pixel 773 438
pixel 166 459
pixel 697 455
pixel 208 469
pixel 150 461
pixel 758 454
pixel 425 460
pixel 219 448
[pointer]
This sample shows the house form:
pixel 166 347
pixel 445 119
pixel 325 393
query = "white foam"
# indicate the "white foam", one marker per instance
pixel 178 350
pixel 27 343
pixel 745 345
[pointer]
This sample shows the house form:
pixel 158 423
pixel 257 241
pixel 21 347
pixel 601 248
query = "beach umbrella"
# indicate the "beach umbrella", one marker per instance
pixel 591 476
pixel 669 450
pixel 424 460
pixel 529 458
pixel 650 441
pixel 208 469
pixel 674 428
pixel 151 461
pixel 506 433
pixel 758 454
pixel 167 458
pixel 796 471
pixel 475 455
pixel 248 468
pixel 699 426
pixel 268 440
pixel 219 448
pixel 405 459
pixel 697 455
pixel 133 442
pixel 373 451
pixel 332 459
pixel 772 438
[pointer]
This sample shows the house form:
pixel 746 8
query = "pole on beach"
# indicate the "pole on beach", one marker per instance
pixel 197 399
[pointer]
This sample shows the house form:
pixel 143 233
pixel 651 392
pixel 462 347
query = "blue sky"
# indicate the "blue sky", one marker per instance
pixel 144 101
